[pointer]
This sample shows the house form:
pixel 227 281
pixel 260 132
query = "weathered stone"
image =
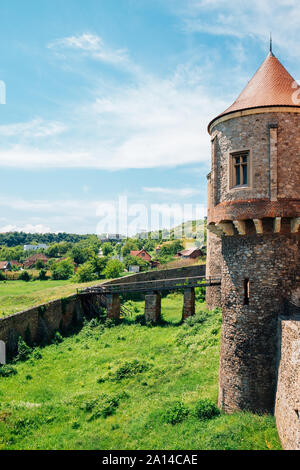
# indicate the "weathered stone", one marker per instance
pixel 188 303
pixel 153 307
pixel 113 306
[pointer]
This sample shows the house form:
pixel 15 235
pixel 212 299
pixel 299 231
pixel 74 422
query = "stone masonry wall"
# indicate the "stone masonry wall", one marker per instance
pixel 213 269
pixel 38 324
pixel 253 133
pixel 175 273
pixel 287 410
pixel 271 263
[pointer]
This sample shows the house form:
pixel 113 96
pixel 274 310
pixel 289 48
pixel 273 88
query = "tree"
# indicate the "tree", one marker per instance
pixel 53 251
pixel 113 269
pixel 39 264
pixel 135 261
pixel 129 246
pixel 62 270
pixel 99 264
pixel 107 249
pixel 85 273
pixel 79 254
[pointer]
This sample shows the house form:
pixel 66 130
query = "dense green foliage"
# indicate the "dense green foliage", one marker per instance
pixel 113 269
pixel 20 238
pixel 127 387
pixel 62 270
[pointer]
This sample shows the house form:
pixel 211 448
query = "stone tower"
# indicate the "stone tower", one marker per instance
pixel 254 237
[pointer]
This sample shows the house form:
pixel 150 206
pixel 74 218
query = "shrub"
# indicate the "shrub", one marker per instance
pixel 104 405
pixel 176 413
pixel 57 338
pixel 37 354
pixel 24 350
pixel 196 319
pixel 140 319
pixel 85 273
pixel 130 369
pixel 2 276
pixel 200 293
pixel 113 269
pixel 206 409
pixel 43 275
pixel 7 370
pixel 25 276
pixel 62 270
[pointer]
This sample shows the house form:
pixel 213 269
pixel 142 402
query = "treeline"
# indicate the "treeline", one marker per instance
pixel 12 239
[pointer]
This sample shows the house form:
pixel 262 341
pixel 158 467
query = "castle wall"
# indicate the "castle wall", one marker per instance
pixel 287 410
pixel 174 273
pixel 213 269
pixel 249 332
pixel 38 324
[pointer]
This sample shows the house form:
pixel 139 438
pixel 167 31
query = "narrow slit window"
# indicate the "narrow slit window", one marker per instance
pixel 240 169
pixel 246 292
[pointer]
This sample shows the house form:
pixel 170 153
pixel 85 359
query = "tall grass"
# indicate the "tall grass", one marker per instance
pixel 127 387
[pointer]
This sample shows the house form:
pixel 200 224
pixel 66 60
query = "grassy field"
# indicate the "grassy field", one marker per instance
pixel 116 388
pixel 16 296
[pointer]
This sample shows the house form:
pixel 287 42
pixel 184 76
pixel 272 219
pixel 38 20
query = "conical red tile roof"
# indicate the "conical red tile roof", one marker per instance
pixel 272 85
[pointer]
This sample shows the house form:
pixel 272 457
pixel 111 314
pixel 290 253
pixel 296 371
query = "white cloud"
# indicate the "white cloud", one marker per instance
pixel 66 206
pixel 154 123
pixel 35 128
pixel 184 192
pixel 28 228
pixel 93 46
pixel 240 19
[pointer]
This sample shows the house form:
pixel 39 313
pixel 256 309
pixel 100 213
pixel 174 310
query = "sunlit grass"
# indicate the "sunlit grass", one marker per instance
pixel 16 296
pixel 47 404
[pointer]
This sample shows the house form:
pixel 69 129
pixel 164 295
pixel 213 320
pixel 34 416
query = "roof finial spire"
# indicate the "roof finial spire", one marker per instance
pixel 271 44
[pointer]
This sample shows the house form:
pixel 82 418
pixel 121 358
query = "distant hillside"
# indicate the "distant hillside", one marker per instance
pixel 193 229
pixel 21 238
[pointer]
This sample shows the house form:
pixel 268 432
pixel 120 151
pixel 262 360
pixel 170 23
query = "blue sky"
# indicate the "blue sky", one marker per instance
pixel 109 98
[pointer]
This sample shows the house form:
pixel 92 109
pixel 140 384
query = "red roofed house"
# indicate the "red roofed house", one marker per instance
pixel 141 254
pixel 192 253
pixel 31 261
pixel 5 266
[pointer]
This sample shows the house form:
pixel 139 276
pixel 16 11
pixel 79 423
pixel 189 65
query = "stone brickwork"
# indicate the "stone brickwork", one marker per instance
pixel 249 333
pixel 153 307
pixel 175 273
pixel 213 269
pixel 38 325
pixel 113 306
pixel 188 303
pixel 253 133
pixel 255 242
pixel 287 410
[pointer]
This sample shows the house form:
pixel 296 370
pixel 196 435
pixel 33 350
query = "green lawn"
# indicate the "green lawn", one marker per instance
pixel 79 395
pixel 16 296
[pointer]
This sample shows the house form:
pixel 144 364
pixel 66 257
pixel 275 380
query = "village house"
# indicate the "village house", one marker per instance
pixel 141 254
pixel 191 253
pixel 40 246
pixel 32 260
pixel 5 266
